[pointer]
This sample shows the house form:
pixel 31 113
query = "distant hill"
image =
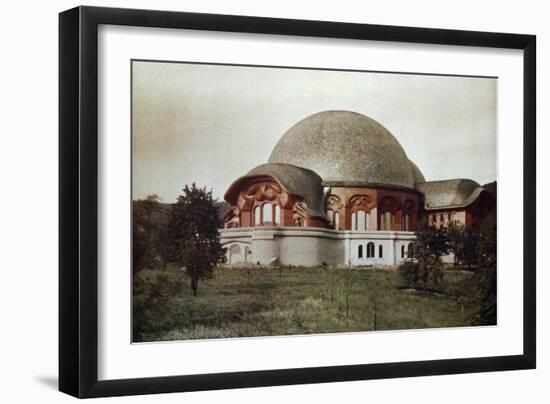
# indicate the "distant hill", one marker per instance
pixel 161 216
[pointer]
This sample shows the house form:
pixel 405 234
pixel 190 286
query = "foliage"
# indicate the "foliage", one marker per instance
pixel 486 275
pixel 470 253
pixel 144 229
pixel 455 234
pixel 150 237
pixel 425 269
pixel 193 234
pixel 153 305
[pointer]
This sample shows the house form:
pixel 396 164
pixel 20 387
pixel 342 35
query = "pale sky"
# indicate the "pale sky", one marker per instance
pixel 210 124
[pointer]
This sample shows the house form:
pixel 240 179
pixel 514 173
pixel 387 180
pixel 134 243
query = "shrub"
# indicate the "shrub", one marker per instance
pixel 153 305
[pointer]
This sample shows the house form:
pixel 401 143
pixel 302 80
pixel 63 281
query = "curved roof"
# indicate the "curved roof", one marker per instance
pixel 450 193
pixel 296 180
pixel 345 148
pixel 417 174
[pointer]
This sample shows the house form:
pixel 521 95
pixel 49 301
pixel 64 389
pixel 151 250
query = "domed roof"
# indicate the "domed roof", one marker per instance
pixel 296 180
pixel 346 149
pixel 417 174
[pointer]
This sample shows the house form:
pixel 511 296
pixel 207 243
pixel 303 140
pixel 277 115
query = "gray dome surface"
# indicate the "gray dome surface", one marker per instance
pixel 417 174
pixel 346 149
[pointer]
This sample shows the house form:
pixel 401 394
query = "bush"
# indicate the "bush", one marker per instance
pixel 425 275
pixel 153 305
pixel 425 270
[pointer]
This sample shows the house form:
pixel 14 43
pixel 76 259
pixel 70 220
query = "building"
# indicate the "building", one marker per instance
pixel 339 189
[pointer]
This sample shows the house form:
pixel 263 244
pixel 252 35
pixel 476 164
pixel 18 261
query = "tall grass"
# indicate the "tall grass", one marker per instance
pixel 262 301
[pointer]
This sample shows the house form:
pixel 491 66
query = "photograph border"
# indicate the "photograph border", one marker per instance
pixel 78 200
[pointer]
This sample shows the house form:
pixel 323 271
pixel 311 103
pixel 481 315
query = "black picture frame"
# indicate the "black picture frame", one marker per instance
pixel 78 201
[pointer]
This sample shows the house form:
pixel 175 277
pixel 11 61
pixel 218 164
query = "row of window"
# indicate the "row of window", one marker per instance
pixel 267 213
pixel 369 250
pixel 360 220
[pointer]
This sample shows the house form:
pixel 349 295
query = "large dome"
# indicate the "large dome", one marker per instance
pixel 346 149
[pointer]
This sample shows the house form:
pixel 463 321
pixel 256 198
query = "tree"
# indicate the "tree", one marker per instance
pixel 470 248
pixel 486 275
pixel 193 234
pixel 425 269
pixel 455 233
pixel 143 232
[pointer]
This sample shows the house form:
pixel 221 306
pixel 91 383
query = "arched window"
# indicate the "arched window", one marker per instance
pixel 267 216
pixel 360 251
pixel 353 221
pixel 257 216
pixel 277 214
pixel 330 215
pixel 410 250
pixel 370 250
pixel 380 251
pixel 387 221
pixel 406 222
pixel 298 222
pixel 337 220
pixel 402 251
pixel 361 220
pixel 234 253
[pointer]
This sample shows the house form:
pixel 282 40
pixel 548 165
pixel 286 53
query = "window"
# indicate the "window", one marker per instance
pixel 337 220
pixel 361 220
pixel 360 251
pixel 267 216
pixel 449 217
pixel 402 251
pixel 353 221
pixel 234 253
pixel 380 251
pixel 387 221
pixel 406 222
pixel 441 218
pixel 434 219
pixel 277 214
pixel 298 222
pixel 370 250
pixel 330 215
pixel 257 216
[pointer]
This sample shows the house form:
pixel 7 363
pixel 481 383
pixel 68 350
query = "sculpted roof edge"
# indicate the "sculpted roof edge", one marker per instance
pixel 296 180
pixel 453 193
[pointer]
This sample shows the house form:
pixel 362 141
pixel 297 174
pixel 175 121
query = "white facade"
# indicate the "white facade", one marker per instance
pixel 302 246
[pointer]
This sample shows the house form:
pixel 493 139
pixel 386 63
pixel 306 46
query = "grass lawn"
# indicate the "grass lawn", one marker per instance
pixel 262 301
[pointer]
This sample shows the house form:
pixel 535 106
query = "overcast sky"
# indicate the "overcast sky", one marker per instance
pixel 211 124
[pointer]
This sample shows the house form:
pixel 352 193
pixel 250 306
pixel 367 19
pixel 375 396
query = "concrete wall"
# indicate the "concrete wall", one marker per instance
pixel 312 246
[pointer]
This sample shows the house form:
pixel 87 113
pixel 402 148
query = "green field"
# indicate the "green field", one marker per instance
pixel 261 301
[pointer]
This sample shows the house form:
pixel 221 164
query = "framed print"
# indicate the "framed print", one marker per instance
pixel 251 201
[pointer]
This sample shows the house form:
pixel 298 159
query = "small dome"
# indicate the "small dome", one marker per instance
pixel 346 149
